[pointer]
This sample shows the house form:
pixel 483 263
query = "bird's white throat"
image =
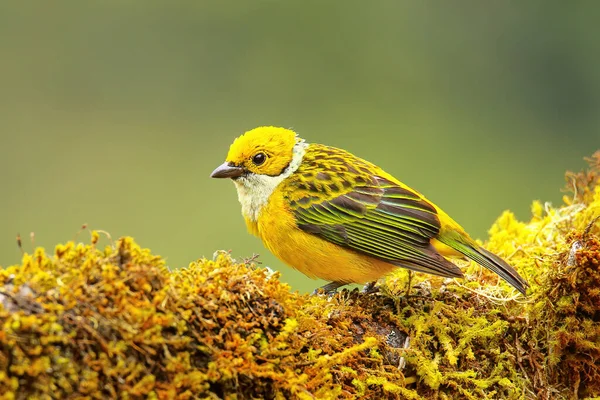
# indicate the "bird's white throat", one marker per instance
pixel 254 190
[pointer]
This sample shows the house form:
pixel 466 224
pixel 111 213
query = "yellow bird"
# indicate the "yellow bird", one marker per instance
pixel 334 216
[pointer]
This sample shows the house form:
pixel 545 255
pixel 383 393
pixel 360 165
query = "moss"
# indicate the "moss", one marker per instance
pixel 115 322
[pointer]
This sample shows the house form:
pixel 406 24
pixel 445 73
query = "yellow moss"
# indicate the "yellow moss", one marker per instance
pixel 85 322
pixel 290 326
pixel 360 387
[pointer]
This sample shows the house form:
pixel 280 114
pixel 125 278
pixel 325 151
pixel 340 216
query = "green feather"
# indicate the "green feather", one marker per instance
pixel 382 220
pixel 483 257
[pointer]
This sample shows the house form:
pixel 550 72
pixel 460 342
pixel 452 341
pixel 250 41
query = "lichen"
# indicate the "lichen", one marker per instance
pixel 114 322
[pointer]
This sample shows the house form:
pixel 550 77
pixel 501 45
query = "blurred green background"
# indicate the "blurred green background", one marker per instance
pixel 113 113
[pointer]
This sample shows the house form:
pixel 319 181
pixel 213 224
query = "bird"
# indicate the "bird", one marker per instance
pixel 335 216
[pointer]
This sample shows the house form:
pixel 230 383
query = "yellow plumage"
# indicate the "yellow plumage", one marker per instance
pixel 335 216
pixel 311 255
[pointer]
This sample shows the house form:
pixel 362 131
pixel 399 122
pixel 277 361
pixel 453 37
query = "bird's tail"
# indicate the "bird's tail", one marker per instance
pixel 487 259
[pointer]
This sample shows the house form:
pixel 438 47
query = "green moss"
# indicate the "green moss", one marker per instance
pixel 114 322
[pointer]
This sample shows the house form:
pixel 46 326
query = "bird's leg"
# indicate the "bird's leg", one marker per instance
pixel 409 284
pixel 370 287
pixel 330 289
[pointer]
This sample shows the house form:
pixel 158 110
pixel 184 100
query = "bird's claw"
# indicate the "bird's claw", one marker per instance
pixel 370 287
pixel 321 291
pixel 330 289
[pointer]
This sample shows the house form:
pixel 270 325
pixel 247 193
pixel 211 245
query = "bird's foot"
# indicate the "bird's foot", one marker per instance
pixel 370 287
pixel 330 289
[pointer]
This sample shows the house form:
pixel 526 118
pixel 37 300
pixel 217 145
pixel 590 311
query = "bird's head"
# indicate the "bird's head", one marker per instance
pixel 258 161
pixel 266 150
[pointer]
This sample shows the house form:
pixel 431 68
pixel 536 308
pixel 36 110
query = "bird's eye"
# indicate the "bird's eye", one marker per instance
pixel 259 158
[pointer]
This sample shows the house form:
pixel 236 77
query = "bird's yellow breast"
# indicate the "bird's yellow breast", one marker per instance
pixel 308 253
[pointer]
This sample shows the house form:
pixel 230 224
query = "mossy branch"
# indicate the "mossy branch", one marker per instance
pixel 114 322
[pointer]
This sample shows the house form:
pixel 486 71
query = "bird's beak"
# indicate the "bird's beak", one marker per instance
pixel 227 170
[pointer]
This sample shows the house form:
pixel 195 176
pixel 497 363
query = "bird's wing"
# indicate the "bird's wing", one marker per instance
pixel 381 219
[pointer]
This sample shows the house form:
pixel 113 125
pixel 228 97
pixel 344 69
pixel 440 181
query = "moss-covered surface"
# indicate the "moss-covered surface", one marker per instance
pixel 114 322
